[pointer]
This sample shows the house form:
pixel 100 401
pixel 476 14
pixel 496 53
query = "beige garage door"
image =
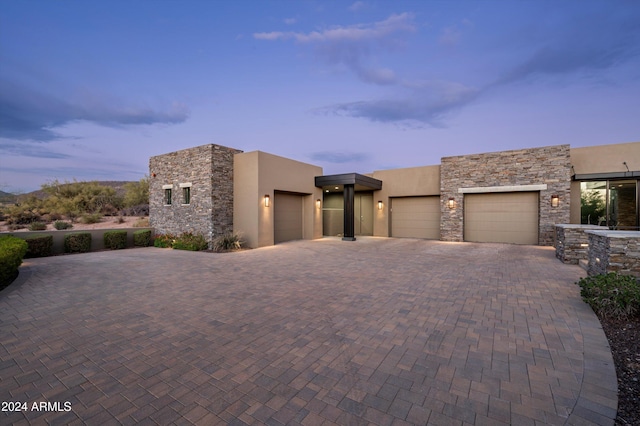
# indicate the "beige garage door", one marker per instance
pixel 510 217
pixel 415 217
pixel 287 220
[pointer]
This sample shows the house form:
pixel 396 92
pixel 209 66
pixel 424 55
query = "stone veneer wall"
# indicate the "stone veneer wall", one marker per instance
pixel 614 251
pixel 547 165
pixel 572 243
pixel 209 169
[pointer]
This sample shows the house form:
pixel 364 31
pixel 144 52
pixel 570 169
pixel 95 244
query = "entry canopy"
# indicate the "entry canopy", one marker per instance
pixel 360 182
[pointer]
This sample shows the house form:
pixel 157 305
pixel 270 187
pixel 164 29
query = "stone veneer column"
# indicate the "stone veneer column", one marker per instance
pixel 209 170
pixel 614 251
pixel 547 165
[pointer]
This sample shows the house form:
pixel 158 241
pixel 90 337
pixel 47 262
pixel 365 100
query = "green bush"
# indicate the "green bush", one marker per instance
pixel 227 242
pixel 61 224
pixel 39 245
pixel 89 218
pixel 190 241
pixel 611 295
pixel 79 242
pixel 37 226
pixel 142 238
pixel 115 240
pixel 12 250
pixel 164 240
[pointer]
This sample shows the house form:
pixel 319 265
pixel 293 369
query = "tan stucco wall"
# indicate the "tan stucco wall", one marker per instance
pixel 412 181
pixel 257 174
pixel 600 159
pixel 606 158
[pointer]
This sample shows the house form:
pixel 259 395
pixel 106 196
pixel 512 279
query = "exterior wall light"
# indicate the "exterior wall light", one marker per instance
pixel 451 203
pixel 318 203
pixel 555 200
pixel 380 205
pixel 267 200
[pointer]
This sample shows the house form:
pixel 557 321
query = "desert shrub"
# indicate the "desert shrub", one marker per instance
pixel 143 222
pixel 37 226
pixel 164 240
pixel 15 227
pixel 72 199
pixel 119 219
pixel 137 193
pixel 60 225
pixel 18 216
pixel 89 218
pixel 227 242
pixel 137 210
pixel 190 241
pixel 115 240
pixel 39 245
pixel 611 295
pixel 12 250
pixel 79 242
pixel 142 238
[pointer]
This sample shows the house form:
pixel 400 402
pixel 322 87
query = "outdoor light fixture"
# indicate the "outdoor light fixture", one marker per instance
pixel 555 200
pixel 267 200
pixel 451 203
pixel 379 205
pixel 318 202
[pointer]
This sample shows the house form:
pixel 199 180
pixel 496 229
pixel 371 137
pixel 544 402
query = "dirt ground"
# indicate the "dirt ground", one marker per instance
pixel 107 222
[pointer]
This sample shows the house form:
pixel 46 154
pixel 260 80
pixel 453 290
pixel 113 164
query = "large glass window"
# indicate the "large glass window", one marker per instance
pixel 611 203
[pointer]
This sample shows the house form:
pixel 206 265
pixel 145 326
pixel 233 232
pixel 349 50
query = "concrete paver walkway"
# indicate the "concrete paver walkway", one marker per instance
pixel 376 331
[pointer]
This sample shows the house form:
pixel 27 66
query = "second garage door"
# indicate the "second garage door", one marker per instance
pixel 415 217
pixel 510 217
pixel 287 220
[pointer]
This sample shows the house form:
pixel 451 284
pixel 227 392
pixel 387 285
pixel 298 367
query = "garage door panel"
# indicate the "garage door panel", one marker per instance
pixel 501 218
pixel 415 217
pixel 287 221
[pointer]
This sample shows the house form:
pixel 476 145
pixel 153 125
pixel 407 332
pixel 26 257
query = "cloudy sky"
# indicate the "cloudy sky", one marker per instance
pixel 91 89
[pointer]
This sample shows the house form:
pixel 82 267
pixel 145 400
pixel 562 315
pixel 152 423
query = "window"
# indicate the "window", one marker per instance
pixel 612 203
pixel 186 195
pixel 167 196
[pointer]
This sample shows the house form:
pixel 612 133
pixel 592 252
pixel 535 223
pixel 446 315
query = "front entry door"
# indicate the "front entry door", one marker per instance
pixel 363 213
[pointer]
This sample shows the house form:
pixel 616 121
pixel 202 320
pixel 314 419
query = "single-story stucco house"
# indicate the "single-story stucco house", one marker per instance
pixel 513 196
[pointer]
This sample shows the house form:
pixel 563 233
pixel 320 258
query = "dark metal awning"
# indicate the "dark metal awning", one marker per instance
pixel 360 182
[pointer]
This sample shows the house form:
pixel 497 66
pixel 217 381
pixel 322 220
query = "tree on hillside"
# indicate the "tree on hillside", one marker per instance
pixel 136 193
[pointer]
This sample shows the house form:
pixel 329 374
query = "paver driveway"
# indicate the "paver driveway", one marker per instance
pixel 380 331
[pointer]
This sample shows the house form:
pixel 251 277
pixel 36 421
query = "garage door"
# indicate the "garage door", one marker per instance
pixel 415 217
pixel 287 220
pixel 510 217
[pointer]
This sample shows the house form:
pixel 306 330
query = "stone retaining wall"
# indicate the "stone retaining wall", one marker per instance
pixel 614 251
pixel 572 244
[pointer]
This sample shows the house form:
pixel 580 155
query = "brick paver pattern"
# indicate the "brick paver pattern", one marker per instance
pixel 376 331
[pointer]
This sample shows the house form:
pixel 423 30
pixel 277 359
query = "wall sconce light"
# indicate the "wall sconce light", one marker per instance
pixel 153 175
pixel 451 203
pixel 555 200
pixel 380 205
pixel 267 200
pixel 318 203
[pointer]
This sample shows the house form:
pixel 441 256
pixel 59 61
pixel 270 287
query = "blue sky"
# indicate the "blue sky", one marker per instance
pixel 91 89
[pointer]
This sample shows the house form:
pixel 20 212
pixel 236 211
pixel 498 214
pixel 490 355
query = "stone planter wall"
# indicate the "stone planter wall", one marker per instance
pixel 614 251
pixel 572 243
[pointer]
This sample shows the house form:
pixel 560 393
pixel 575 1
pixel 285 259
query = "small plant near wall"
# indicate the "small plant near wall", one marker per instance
pixel 142 238
pixel 61 225
pixel 115 240
pixel 612 295
pixel 39 245
pixel 164 240
pixel 190 241
pixel 227 242
pixel 37 226
pixel 79 242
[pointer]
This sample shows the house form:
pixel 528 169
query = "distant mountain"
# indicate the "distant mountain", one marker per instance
pixel 6 197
